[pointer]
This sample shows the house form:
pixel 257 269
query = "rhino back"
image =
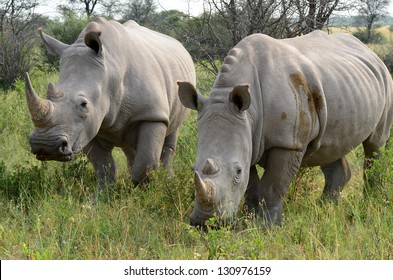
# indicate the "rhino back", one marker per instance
pixel 326 93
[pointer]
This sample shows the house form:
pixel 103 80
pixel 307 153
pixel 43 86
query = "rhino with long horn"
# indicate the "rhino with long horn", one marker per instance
pixel 117 88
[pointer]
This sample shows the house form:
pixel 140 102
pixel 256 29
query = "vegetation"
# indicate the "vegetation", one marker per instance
pixel 208 36
pixel 47 211
pixel 370 11
pixel 374 37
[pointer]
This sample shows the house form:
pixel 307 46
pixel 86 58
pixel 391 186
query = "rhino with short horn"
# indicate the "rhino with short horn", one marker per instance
pixel 282 105
pixel 117 88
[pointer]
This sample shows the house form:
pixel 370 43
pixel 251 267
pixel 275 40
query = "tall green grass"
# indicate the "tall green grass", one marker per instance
pixel 46 210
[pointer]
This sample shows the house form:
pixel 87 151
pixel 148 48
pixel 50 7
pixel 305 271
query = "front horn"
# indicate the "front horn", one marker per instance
pixel 39 108
pixel 204 191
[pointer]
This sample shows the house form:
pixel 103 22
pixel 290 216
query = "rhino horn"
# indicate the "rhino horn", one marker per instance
pixel 210 167
pixel 39 108
pixel 204 191
pixel 52 93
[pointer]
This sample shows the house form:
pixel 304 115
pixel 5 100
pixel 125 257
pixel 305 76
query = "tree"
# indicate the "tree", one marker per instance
pixel 112 9
pixel 140 10
pixel 65 30
pixel 313 14
pixel 87 7
pixel 168 22
pixel 225 22
pixel 371 11
pixel 18 24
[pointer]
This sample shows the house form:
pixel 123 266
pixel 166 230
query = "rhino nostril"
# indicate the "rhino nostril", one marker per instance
pixel 64 147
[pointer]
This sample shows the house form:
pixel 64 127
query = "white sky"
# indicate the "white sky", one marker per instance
pixel 194 7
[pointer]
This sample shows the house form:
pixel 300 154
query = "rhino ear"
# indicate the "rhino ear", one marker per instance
pixel 240 97
pixel 93 41
pixel 188 95
pixel 54 47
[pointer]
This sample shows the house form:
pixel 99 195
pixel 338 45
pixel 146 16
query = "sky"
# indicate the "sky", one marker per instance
pixel 193 7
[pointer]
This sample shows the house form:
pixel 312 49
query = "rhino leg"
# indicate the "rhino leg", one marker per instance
pixel 371 153
pixel 337 174
pixel 148 150
pixel 168 150
pixel 100 155
pixel 251 203
pixel 130 155
pixel 280 168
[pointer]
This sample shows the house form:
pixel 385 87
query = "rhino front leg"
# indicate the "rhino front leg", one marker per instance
pixel 337 174
pixel 251 203
pixel 99 154
pixel 148 150
pixel 280 168
pixel 168 150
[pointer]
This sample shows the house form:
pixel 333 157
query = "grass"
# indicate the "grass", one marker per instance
pixel 46 211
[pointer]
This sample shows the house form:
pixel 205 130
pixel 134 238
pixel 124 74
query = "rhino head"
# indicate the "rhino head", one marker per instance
pixel 73 111
pixel 223 152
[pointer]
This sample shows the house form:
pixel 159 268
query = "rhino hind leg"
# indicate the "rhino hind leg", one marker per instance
pixel 371 153
pixel 280 169
pixel 337 174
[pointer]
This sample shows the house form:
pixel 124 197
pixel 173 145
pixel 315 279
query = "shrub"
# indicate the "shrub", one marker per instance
pixel 381 173
pixel 30 181
pixel 388 60
pixel 375 37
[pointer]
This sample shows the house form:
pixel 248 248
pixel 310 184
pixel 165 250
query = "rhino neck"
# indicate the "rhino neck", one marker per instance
pixel 255 115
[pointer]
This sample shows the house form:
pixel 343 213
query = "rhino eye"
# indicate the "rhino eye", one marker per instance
pixel 84 104
pixel 238 173
pixel 237 169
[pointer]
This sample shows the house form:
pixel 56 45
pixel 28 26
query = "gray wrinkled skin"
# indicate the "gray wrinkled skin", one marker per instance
pixel 285 104
pixel 117 88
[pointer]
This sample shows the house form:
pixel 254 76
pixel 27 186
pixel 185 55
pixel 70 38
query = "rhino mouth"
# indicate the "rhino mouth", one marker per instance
pixel 199 217
pixel 48 157
pixel 200 220
pixel 61 151
pixel 57 149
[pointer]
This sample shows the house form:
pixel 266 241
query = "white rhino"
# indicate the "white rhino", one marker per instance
pixel 285 104
pixel 117 88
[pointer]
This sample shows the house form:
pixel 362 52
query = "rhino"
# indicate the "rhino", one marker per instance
pixel 284 104
pixel 117 88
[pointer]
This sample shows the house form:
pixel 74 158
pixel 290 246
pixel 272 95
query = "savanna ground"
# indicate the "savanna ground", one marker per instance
pixel 46 211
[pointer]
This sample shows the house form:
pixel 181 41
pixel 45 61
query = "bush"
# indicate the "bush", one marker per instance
pixel 375 38
pixel 16 40
pixel 388 60
pixel 67 31
pixel 381 173
pixel 25 180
